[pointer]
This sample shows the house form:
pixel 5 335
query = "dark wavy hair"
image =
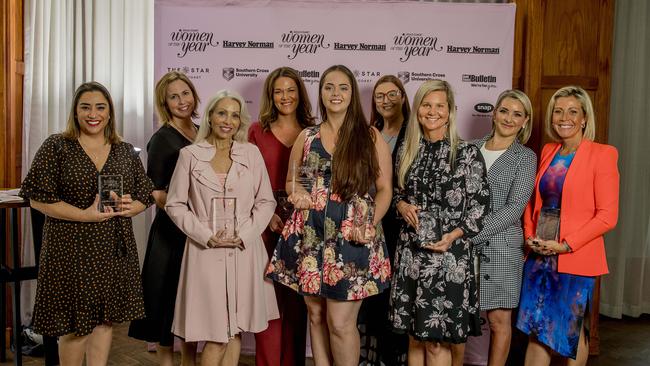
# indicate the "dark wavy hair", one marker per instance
pixel 72 130
pixel 355 166
pixel 268 111
pixel 377 119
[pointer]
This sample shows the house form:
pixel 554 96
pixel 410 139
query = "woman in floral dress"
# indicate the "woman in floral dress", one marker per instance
pixel 442 195
pixel 322 254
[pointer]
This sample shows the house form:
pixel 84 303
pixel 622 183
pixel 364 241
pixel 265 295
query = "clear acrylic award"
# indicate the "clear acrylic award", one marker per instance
pixel 429 230
pixel 110 189
pixel 284 207
pixel 548 224
pixel 364 215
pixel 224 220
pixel 304 175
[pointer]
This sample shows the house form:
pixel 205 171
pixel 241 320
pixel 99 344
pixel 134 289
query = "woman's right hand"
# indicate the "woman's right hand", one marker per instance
pixel 300 200
pixel 535 244
pixel 409 212
pixel 219 240
pixel 276 225
pixel 92 213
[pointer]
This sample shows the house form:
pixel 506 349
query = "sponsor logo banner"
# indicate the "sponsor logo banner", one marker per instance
pixel 236 44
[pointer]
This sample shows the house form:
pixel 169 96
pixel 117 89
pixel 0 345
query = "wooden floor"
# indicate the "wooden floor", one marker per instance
pixel 624 342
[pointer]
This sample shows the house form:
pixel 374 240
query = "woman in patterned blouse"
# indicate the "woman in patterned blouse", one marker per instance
pixel 442 195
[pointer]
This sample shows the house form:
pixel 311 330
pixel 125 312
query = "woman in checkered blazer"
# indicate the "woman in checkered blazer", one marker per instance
pixel 511 175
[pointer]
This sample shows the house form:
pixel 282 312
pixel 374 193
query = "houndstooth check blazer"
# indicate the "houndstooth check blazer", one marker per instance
pixel 500 243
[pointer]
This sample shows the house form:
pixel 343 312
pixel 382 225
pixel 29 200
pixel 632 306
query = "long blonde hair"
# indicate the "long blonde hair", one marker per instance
pixel 411 145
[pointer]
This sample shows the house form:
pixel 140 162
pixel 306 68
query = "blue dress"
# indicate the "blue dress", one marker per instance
pixel 553 304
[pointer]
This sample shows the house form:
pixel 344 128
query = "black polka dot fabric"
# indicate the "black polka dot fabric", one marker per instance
pixel 89 273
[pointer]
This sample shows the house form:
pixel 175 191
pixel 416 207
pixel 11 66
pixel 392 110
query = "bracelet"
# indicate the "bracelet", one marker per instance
pixel 566 246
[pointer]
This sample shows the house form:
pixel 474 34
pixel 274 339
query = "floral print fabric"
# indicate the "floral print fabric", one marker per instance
pixel 434 295
pixel 315 255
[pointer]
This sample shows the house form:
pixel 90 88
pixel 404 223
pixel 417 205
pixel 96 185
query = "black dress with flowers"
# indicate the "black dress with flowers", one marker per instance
pixel 434 295
pixel 315 255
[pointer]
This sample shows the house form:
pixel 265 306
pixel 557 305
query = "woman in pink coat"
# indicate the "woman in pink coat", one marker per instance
pixel 222 290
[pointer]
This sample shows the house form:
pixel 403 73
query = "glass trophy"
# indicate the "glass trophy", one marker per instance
pixel 224 219
pixel 548 224
pixel 110 193
pixel 364 215
pixel 429 230
pixel 304 175
pixel 284 207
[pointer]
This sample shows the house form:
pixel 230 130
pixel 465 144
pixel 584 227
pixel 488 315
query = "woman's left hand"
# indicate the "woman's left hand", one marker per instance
pixel 547 247
pixel 443 245
pixel 128 207
pixel 363 235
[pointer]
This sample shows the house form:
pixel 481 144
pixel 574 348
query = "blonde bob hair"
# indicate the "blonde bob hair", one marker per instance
pixel 521 97
pixel 205 130
pixel 414 134
pixel 589 131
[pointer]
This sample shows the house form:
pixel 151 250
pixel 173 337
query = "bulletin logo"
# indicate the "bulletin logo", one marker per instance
pixel 191 41
pixel 480 81
pixel 301 42
pixel 228 73
pixel 415 45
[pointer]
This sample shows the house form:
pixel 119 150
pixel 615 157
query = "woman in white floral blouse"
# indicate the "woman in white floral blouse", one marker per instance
pixel 442 196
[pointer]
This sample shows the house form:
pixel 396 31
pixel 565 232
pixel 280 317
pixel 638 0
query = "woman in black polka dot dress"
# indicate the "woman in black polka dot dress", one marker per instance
pixel 89 275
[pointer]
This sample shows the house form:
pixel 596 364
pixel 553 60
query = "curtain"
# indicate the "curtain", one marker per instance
pixel 626 290
pixel 68 42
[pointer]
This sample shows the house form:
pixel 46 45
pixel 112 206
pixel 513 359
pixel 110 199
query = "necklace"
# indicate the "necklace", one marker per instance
pixel 182 132
pixel 93 154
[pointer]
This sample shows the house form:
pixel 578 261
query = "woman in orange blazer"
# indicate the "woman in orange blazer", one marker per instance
pixel 578 181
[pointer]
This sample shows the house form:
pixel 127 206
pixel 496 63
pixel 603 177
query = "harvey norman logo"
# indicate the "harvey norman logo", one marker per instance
pixel 191 41
pixel 300 42
pixel 247 44
pixel 473 50
pixel 359 47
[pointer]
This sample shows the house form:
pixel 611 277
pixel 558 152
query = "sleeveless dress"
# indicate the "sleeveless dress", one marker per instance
pixel 315 255
pixel 553 304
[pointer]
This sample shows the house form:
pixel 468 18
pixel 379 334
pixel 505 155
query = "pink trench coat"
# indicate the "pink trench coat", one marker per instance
pixel 221 291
